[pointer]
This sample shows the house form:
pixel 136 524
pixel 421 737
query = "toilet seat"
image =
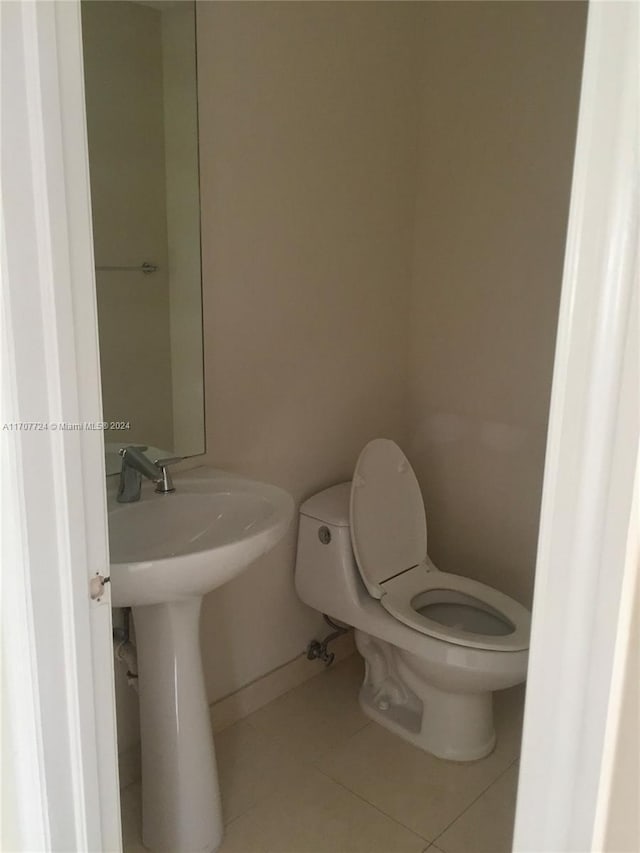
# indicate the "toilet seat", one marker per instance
pixel 389 539
pixel 403 593
pixel 388 521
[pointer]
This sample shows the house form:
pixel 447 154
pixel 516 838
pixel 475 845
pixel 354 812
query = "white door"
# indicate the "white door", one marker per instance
pixel 59 762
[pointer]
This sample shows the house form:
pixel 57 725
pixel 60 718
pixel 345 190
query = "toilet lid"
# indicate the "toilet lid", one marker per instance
pixel 388 524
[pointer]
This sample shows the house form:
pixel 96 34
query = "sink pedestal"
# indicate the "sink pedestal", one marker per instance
pixel 180 794
pixel 167 551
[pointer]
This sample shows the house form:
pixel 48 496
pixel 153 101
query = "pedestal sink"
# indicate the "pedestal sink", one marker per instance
pixel 167 551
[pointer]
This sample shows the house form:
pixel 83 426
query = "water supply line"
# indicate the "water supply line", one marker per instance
pixel 317 649
pixel 124 649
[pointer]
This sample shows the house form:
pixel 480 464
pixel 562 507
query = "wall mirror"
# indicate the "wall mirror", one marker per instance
pixel 142 121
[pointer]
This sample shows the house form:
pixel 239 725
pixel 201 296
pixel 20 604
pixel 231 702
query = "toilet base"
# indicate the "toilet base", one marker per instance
pixel 408 726
pixel 456 726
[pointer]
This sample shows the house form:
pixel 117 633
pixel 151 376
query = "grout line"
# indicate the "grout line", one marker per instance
pixel 311 765
pixel 279 740
pixel 301 655
pixel 247 720
pixel 227 823
pixel 326 671
pixel 341 743
pixel 266 675
pixel 473 802
pixel 374 806
pixel 259 678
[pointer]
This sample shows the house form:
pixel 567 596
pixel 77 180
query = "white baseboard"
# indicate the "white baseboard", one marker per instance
pixel 268 687
pixel 227 711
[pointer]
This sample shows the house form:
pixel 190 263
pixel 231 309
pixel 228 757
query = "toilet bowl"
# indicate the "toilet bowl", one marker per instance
pixel 436 645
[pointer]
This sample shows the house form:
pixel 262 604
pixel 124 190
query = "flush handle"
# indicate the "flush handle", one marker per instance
pixel 324 535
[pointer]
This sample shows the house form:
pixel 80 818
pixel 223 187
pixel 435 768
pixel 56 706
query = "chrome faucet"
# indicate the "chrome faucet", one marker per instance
pixel 135 465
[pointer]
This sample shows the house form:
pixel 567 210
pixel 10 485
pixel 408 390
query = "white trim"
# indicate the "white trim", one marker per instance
pixel 591 455
pixel 621 680
pixel 228 710
pixel 25 822
pixel 57 483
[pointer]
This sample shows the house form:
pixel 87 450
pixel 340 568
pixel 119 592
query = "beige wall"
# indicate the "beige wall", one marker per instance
pixel 307 123
pixel 385 192
pixel 499 98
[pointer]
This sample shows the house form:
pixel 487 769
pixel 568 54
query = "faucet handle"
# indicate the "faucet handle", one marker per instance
pixel 166 483
pixel 141 447
pixel 167 460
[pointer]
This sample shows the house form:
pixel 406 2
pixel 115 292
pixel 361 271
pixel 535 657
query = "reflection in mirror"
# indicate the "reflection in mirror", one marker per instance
pixel 142 121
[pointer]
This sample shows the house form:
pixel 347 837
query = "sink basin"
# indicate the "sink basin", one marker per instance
pixel 167 551
pixel 186 543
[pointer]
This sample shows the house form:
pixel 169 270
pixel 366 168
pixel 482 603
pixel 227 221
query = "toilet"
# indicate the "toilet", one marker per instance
pixel 436 645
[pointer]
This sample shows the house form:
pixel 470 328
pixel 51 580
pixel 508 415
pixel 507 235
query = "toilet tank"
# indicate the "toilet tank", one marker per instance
pixel 326 574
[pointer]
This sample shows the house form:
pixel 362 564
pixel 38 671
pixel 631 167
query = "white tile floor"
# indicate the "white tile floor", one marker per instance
pixel 309 773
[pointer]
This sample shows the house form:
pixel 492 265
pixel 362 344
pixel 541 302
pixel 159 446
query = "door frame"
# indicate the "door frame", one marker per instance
pixel 60 775
pixel 580 617
pixel 60 770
